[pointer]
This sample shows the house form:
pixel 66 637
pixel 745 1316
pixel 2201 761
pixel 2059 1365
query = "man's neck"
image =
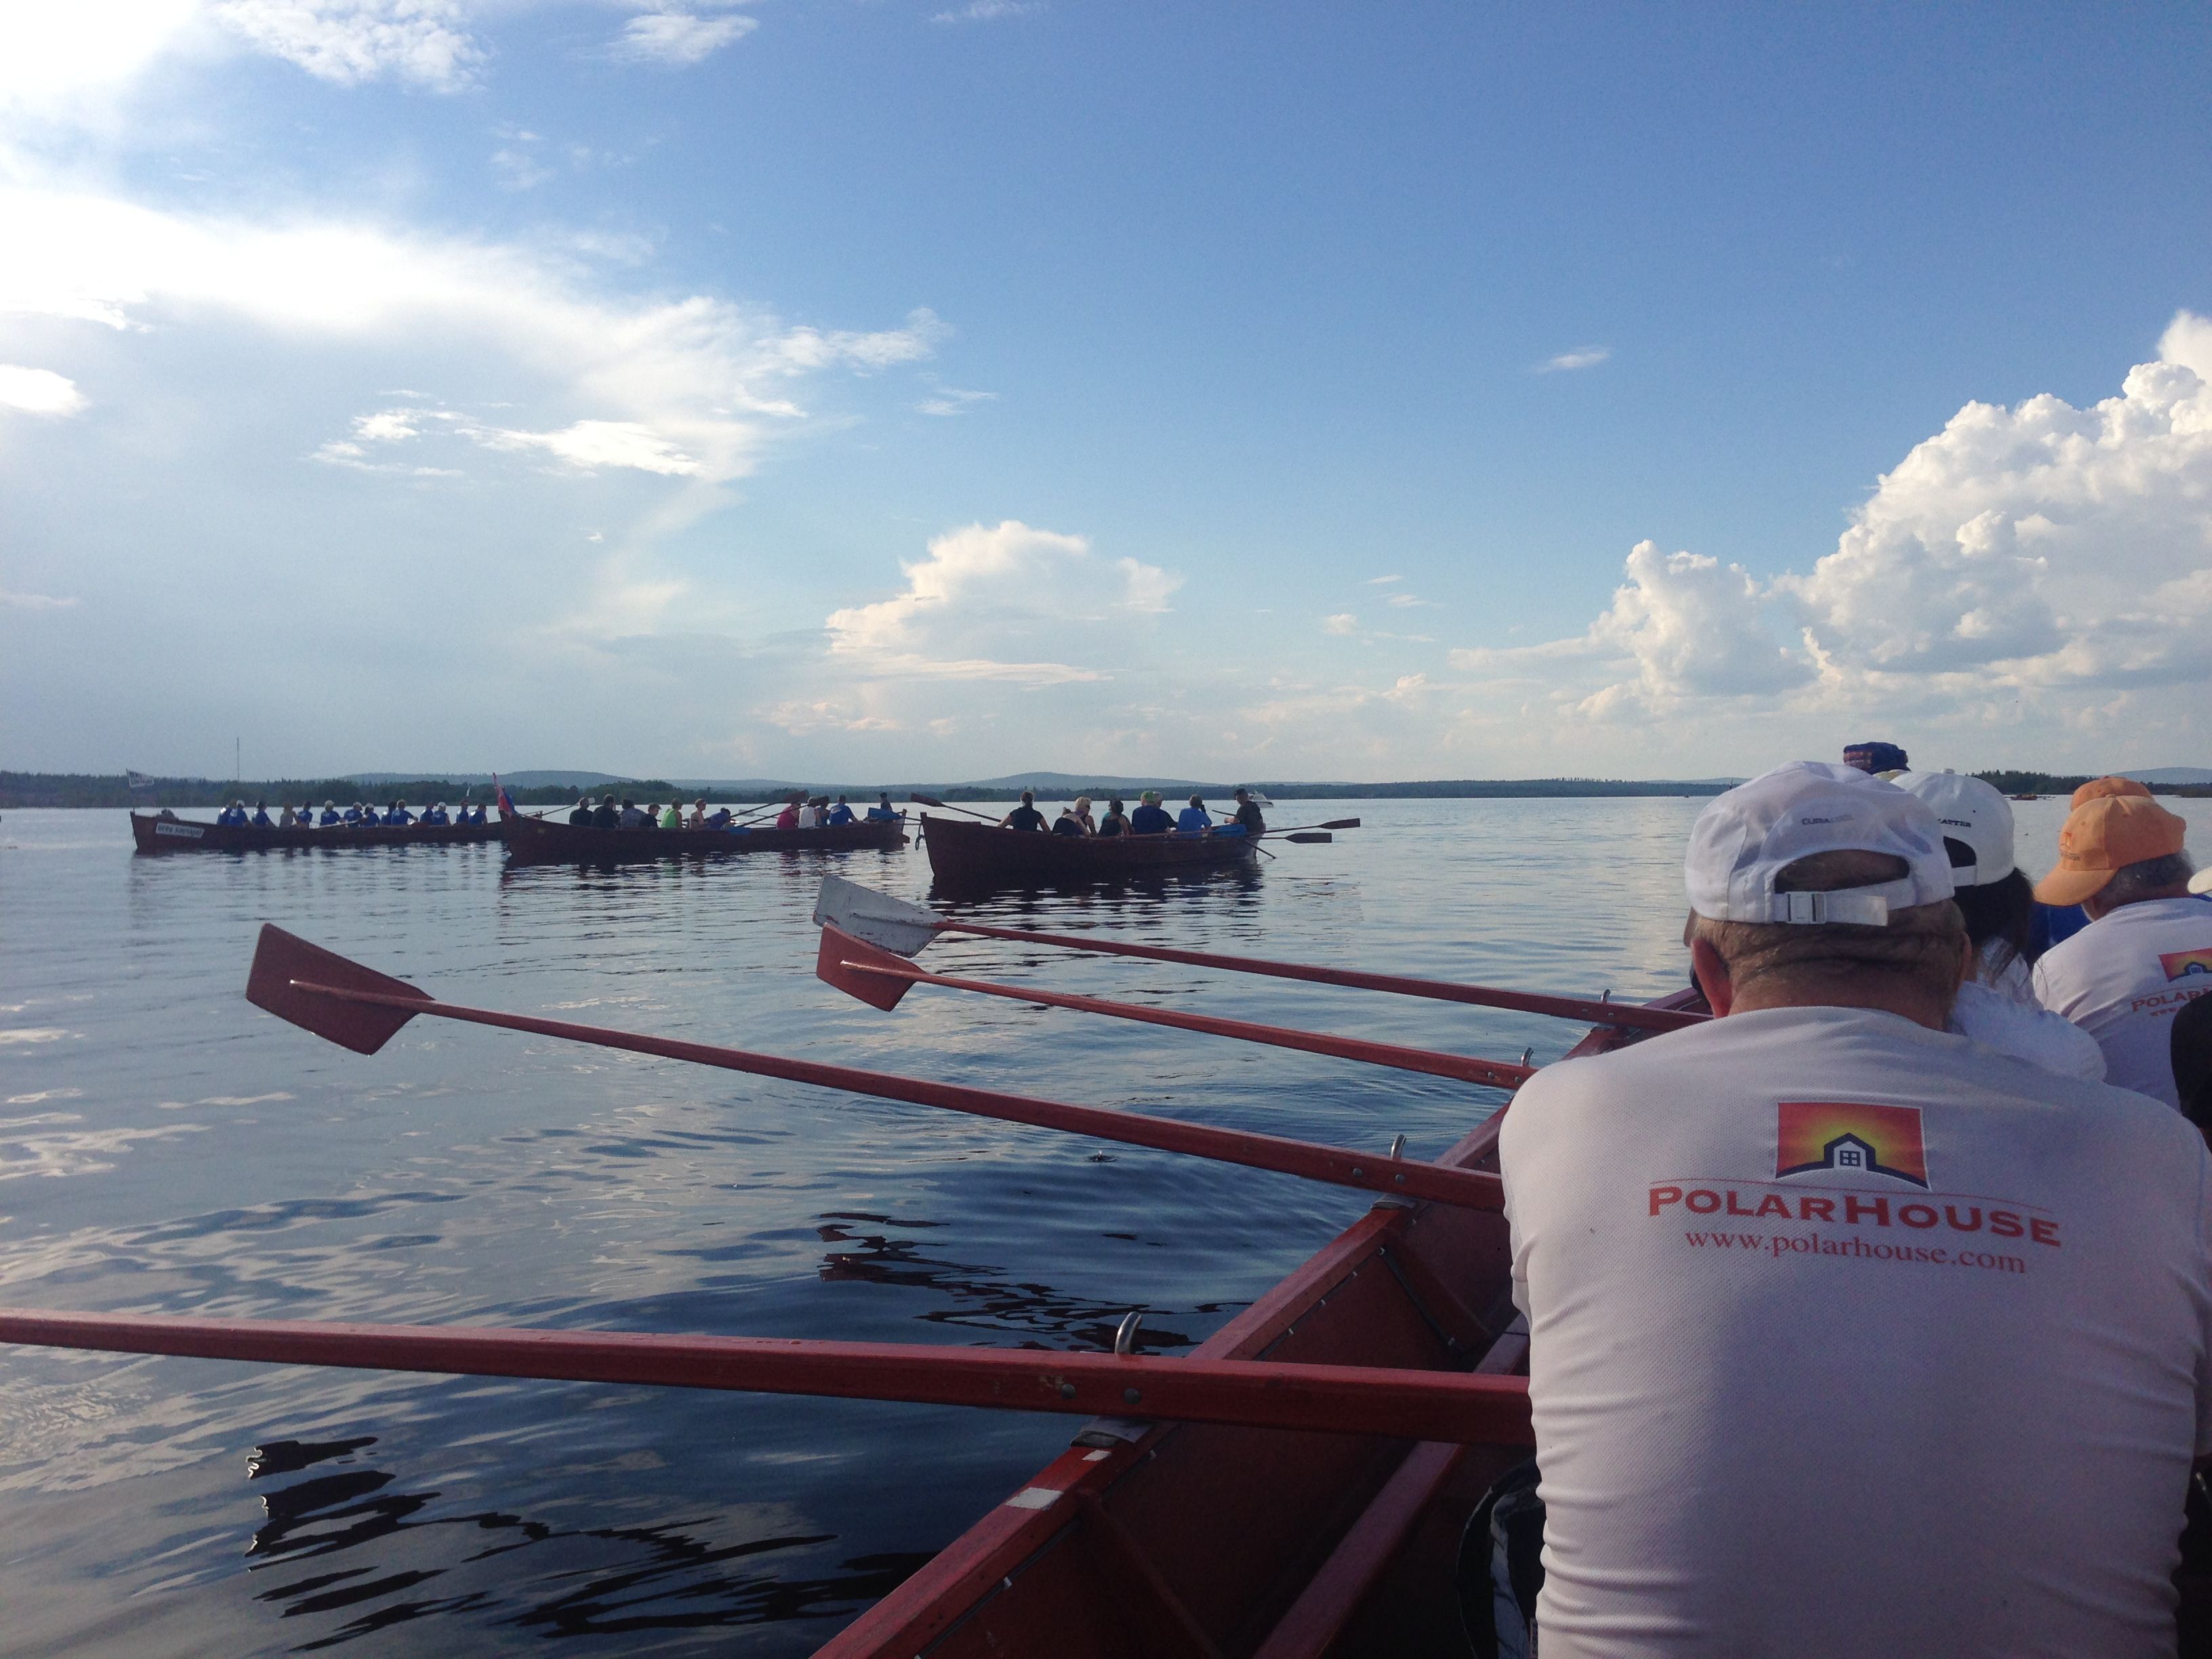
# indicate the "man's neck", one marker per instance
pixel 2097 911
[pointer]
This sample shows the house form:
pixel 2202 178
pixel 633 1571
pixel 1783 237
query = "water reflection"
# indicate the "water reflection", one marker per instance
pixel 586 1580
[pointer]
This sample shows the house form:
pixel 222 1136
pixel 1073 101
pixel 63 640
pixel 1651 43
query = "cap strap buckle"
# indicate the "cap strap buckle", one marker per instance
pixel 1864 909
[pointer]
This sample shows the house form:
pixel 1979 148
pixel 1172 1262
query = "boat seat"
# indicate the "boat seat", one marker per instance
pixel 1319 1614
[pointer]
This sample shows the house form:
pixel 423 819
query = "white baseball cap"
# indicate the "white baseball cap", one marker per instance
pixel 1972 812
pixel 1748 836
pixel 2202 881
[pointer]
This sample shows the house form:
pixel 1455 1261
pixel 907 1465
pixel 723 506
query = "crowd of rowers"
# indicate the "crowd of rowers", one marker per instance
pixel 801 811
pixel 359 815
pixel 1150 818
pixel 1874 1315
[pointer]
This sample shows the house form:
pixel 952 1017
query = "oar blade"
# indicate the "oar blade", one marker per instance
pixel 889 923
pixel 280 957
pixel 844 961
pixel 1306 837
pixel 1340 824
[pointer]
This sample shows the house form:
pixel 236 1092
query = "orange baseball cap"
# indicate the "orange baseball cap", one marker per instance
pixel 2101 837
pixel 2104 788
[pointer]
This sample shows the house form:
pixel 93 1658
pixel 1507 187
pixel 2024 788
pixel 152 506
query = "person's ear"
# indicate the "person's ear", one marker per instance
pixel 1712 969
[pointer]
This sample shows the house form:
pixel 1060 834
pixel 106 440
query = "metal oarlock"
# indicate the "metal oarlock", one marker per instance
pixel 1125 1336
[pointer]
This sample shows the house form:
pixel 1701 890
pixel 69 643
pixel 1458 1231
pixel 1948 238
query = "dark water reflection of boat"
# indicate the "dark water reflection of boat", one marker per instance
pixel 613 1580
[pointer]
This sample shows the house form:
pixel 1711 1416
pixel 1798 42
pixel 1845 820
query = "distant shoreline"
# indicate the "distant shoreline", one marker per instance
pixel 73 789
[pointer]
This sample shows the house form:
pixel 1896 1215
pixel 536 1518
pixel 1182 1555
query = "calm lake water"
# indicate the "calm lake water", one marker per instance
pixel 166 1147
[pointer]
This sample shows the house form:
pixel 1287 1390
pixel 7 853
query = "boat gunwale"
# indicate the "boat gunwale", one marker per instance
pixel 957 1584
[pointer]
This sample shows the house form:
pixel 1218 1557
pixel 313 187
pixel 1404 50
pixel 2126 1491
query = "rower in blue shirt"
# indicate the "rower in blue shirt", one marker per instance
pixel 1150 818
pixel 261 820
pixel 883 811
pixel 1194 819
pixel 842 812
pixel 329 815
pixel 399 814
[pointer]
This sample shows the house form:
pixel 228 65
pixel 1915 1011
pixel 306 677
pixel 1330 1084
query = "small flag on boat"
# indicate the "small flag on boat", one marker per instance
pixel 506 801
pixel 138 779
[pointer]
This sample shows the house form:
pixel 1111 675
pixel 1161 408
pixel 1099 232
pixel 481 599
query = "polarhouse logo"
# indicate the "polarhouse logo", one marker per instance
pixel 1829 1135
pixel 2183 964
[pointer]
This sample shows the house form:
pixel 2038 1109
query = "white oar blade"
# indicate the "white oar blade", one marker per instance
pixel 888 923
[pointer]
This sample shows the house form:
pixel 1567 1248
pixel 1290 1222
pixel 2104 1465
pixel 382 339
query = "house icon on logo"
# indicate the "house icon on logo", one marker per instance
pixel 1848 1152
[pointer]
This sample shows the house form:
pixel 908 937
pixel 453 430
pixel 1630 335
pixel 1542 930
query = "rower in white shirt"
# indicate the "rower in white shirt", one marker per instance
pixel 2148 949
pixel 1843 1327
pixel 1996 1005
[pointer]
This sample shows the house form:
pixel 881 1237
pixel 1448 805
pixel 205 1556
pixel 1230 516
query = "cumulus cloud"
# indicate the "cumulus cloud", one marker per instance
pixel 1342 622
pixel 1004 602
pixel 349 41
pixel 1580 357
pixel 2039 565
pixel 38 391
pixel 679 38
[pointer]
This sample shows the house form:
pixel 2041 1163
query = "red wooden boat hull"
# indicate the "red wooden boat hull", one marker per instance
pixel 547 841
pixel 154 833
pixel 1188 1540
pixel 980 855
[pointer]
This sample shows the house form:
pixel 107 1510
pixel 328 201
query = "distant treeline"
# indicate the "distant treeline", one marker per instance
pixel 19 789
pixel 86 789
pixel 2053 783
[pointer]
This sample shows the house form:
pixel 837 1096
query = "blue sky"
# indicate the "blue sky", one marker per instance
pixel 848 388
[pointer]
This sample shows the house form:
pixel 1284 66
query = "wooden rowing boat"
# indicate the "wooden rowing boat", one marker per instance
pixel 975 856
pixel 161 833
pixel 1183 1540
pixel 547 841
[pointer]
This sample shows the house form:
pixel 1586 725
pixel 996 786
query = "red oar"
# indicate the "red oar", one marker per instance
pixel 1406 1405
pixel 360 1009
pixel 880 979
pixel 895 925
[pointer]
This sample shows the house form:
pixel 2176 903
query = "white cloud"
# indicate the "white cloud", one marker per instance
pixel 516 169
pixel 1004 602
pixel 680 387
pixel 349 41
pixel 947 401
pixel 39 392
pixel 1410 602
pixel 55 59
pixel 1383 581
pixel 985 11
pixel 679 38
pixel 2039 568
pixel 1580 357
pixel 1343 623
pixel 33 601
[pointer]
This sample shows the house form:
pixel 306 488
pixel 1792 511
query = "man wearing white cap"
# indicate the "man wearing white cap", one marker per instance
pixel 2146 952
pixel 1841 1324
pixel 1996 1005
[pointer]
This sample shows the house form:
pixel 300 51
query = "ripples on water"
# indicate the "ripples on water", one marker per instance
pixel 165 1147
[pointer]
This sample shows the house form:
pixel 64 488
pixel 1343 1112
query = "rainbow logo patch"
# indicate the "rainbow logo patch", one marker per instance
pixel 1831 1134
pixel 2180 964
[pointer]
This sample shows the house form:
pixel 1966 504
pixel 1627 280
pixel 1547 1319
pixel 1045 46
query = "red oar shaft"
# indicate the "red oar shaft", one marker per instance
pixel 1485 996
pixel 1464 1069
pixel 1408 1404
pixel 1340 1166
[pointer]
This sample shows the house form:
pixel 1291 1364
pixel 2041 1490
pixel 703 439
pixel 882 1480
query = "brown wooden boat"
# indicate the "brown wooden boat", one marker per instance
pixel 547 841
pixel 164 832
pixel 1181 1540
pixel 976 856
